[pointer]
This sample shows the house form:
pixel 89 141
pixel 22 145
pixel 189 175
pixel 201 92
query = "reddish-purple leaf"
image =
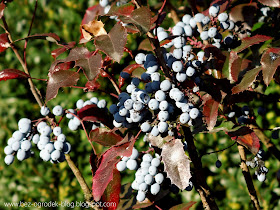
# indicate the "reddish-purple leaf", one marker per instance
pixel 145 45
pixel 112 192
pixel 94 114
pixel 247 80
pixel 91 13
pixel 270 61
pixel 249 41
pixel 129 69
pixel 4 42
pixel 65 66
pixel 224 4
pixel 176 163
pixel 123 10
pixel 104 173
pixel 104 137
pixel 183 206
pixel 113 44
pixel 270 3
pixel 247 138
pixel 244 13
pixel 210 112
pixel 141 18
pixel 60 79
pixel 2 8
pixel 12 74
pixel 93 85
pixel 55 53
pixel 234 65
pixel 91 65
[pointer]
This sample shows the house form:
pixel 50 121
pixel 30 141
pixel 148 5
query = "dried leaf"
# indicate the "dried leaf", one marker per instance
pixel 176 163
pixel 12 74
pixel 246 137
pixel 93 28
pixel 247 80
pixel 270 60
pixel 104 173
pixel 270 3
pixel 104 137
pixel 113 44
pixel 249 41
pixel 60 79
pixel 158 141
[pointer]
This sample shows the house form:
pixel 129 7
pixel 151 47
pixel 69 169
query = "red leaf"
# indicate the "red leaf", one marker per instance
pixel 113 44
pixel 4 42
pixel 270 3
pixel 246 14
pixel 246 137
pixel 141 18
pixel 183 206
pixel 2 8
pixel 91 13
pixel 112 192
pixel 249 41
pixel 12 74
pixel 123 10
pixel 55 53
pixel 91 65
pixel 104 137
pixel 270 60
pixel 247 80
pixel 224 4
pixel 129 69
pixel 210 112
pixel 65 66
pixel 104 173
pixel 60 79
pixel 234 65
pixel 94 114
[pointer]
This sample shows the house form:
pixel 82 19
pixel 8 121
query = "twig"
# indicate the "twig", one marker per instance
pixel 248 178
pixel 208 153
pixel 202 188
pixel 114 84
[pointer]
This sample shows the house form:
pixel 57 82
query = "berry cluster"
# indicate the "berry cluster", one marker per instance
pixel 147 177
pixel 128 162
pixel 258 162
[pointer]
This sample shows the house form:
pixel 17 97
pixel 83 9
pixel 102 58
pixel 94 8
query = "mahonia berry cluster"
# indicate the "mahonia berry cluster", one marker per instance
pixel 50 141
pixel 259 163
pixel 128 162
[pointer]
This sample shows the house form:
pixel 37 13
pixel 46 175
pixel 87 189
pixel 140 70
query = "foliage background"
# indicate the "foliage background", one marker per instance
pixel 36 181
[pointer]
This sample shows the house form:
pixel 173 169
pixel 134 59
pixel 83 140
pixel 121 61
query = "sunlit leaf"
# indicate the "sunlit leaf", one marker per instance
pixel 7 74
pixel 270 3
pixel 270 60
pixel 210 112
pixel 104 137
pixel 249 41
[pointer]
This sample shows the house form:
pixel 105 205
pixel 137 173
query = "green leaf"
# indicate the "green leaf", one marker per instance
pixel 247 80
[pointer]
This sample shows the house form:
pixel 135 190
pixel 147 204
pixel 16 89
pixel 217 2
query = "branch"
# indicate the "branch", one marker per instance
pixel 199 176
pixel 208 153
pixel 248 178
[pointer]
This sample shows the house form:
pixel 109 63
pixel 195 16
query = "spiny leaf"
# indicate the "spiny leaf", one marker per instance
pixel 60 79
pixel 176 163
pixel 183 206
pixel 113 44
pixel 112 192
pixel 12 74
pixel 4 42
pixel 55 53
pixel 247 80
pixel 93 28
pixel 249 41
pixel 92 113
pixel 104 173
pixel 270 3
pixel 104 137
pixel 141 18
pixel 210 112
pixel 270 60
pixel 91 65
pixel 123 10
pixel 247 138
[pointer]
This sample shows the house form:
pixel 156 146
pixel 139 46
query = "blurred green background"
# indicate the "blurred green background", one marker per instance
pixel 36 181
